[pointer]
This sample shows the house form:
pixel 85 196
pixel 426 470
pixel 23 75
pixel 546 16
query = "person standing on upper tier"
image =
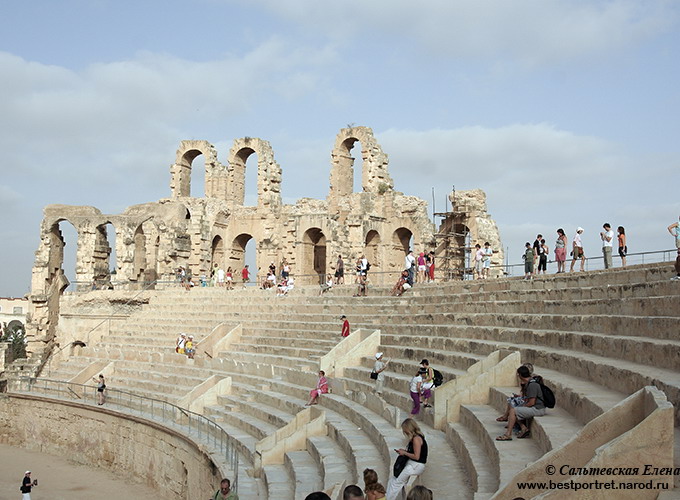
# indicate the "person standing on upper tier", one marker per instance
pixel 623 248
pixel 577 250
pixel 607 237
pixel 674 229
pixel 561 250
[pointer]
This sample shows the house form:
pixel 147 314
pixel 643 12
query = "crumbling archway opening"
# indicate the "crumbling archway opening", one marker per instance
pixel 352 149
pixel 65 235
pixel 243 251
pixel 198 173
pixel 402 242
pixel 250 181
pixel 314 255
pixel 139 256
pixel 372 245
pixel 105 268
pixel 217 252
pixel 245 177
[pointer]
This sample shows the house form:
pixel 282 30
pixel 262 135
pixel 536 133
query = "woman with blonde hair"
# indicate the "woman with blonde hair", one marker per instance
pixel 419 492
pixel 375 491
pixel 410 462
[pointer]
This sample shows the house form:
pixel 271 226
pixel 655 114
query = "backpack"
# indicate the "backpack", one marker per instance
pixel 438 378
pixel 368 266
pixel 548 395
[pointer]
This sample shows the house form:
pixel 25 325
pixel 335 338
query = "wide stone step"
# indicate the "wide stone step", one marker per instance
pixel 307 353
pixel 279 482
pixel 662 353
pixel 618 375
pixel 506 457
pixel 331 459
pixel 304 471
pixel 482 474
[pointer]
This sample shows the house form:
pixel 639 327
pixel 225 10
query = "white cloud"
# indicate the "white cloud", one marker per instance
pixel 538 178
pixel 531 31
pixel 67 117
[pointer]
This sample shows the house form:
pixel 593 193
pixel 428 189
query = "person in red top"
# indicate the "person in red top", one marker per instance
pixel 345 326
pixel 245 274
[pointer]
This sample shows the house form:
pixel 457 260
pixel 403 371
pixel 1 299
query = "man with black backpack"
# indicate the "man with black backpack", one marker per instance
pixel 534 405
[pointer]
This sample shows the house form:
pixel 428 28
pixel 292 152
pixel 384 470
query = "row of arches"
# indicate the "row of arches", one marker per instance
pixel 313 258
pixel 251 169
pixel 89 260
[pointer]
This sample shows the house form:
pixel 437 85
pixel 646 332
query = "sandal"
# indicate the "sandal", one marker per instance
pixel 524 434
pixel 502 419
pixel 503 437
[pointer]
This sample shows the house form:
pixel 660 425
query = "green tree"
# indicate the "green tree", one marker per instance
pixel 15 334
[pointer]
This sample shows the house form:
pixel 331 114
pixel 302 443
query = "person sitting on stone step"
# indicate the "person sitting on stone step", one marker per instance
pixel 516 399
pixel 428 383
pixel 321 388
pixel 533 407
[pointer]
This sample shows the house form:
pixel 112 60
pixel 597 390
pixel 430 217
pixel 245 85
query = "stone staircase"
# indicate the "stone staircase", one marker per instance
pixel 595 337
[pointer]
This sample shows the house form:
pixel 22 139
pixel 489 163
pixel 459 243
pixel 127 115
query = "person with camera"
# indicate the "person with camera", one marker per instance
pixel 26 486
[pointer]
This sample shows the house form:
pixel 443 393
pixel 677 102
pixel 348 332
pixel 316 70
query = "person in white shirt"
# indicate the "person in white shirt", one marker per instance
pixel 577 251
pixel 379 367
pixel 415 388
pixel 607 237
pixel 488 252
pixel 410 266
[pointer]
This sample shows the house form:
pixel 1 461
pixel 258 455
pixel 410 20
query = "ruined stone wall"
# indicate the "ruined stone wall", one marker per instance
pixel 153 239
pixel 144 452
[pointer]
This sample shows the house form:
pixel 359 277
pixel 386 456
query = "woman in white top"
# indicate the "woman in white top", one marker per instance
pixel 379 368
pixel 415 388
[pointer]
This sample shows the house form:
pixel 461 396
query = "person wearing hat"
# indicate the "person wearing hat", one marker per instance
pixel 26 485
pixel 577 250
pixel 181 342
pixel 378 369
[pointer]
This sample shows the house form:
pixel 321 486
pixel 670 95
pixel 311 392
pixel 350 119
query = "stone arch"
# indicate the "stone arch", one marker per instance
pixel 152 244
pixel 217 251
pixel 237 253
pixel 372 249
pixel 375 176
pixel 180 182
pixel 139 256
pixel 102 255
pixel 401 243
pixel 58 261
pixel 314 254
pixel 268 172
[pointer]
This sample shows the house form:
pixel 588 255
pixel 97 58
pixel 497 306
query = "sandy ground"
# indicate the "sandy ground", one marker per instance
pixel 60 479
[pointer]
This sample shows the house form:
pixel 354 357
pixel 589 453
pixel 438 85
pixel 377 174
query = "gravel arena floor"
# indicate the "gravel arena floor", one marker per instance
pixel 60 479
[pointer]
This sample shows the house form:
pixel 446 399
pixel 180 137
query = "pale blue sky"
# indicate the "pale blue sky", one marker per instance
pixel 565 112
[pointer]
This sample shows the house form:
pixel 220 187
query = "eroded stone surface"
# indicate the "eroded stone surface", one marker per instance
pixel 153 239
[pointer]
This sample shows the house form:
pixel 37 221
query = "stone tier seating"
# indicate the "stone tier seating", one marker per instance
pixel 595 337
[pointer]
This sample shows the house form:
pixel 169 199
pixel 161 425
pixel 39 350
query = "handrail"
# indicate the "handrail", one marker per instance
pixel 665 257
pixel 157 410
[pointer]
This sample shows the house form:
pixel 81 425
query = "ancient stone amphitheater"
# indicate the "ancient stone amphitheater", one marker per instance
pixel 605 341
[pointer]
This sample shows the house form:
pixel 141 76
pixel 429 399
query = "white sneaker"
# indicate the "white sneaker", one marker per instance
pixel 675 278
